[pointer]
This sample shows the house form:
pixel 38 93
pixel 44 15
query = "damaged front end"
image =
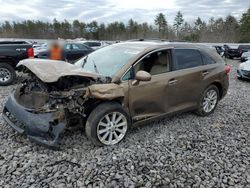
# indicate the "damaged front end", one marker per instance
pixel 55 96
pixel 43 111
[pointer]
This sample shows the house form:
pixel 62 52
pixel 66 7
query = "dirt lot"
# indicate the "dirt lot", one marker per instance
pixel 180 151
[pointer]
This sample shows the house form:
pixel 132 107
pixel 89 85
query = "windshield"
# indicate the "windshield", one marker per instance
pixel 108 60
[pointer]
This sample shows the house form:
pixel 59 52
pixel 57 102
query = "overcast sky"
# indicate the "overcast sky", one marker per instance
pixel 118 10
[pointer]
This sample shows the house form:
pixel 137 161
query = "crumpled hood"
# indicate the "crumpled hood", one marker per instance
pixel 245 66
pixel 51 70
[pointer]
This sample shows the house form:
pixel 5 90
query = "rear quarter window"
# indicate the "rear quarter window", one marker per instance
pixel 187 58
pixel 207 60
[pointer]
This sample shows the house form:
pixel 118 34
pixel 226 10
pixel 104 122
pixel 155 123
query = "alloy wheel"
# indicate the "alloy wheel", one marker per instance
pixel 210 101
pixel 112 128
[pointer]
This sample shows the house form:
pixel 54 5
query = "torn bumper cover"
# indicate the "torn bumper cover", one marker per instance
pixel 42 128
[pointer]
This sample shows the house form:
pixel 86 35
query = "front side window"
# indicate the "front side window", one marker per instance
pixel 187 58
pixel 128 75
pixel 155 63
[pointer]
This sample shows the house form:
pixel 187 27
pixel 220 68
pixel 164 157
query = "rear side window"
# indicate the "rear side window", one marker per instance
pixel 187 58
pixel 207 59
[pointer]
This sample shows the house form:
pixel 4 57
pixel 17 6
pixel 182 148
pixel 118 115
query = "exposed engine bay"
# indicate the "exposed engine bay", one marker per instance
pixel 68 93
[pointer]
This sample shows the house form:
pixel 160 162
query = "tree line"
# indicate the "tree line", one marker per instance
pixel 227 29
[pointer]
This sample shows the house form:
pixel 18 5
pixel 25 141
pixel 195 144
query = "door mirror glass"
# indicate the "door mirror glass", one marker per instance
pixel 143 76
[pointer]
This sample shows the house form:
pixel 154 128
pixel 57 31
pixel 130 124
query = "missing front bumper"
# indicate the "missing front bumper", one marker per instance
pixel 42 128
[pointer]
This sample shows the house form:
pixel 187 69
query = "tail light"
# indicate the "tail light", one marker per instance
pixel 30 53
pixel 227 69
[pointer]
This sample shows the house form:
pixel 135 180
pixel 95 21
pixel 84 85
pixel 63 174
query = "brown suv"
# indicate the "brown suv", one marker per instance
pixel 115 87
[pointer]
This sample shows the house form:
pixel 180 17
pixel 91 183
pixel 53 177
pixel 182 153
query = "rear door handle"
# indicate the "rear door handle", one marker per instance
pixel 204 73
pixel 172 82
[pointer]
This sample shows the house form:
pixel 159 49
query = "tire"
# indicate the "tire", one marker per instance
pixel 7 74
pixel 99 130
pixel 202 109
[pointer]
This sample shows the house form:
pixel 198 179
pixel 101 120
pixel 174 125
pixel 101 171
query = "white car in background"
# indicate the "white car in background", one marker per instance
pixel 43 47
pixel 243 71
pixel 245 56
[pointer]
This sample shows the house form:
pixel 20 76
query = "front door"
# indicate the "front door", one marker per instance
pixel 149 99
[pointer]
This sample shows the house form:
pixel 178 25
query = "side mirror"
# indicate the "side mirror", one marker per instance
pixel 141 76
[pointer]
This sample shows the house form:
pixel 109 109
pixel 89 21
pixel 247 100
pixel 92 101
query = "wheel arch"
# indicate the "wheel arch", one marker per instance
pixel 93 103
pixel 219 86
pixel 9 62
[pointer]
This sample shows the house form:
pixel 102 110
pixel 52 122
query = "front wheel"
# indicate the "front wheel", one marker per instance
pixel 107 124
pixel 209 101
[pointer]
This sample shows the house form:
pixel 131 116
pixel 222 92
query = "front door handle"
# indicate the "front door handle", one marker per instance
pixel 172 82
pixel 204 73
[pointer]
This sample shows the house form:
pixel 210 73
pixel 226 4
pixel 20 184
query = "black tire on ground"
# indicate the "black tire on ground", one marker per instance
pixel 12 74
pixel 200 111
pixel 97 115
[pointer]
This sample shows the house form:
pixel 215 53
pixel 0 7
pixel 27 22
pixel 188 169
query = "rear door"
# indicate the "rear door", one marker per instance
pixel 188 75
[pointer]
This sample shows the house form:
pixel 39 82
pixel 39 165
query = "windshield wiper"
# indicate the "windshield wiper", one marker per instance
pixel 96 70
pixel 85 61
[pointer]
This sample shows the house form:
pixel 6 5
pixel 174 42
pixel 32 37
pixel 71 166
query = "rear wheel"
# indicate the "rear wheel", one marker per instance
pixel 209 101
pixel 107 124
pixel 7 74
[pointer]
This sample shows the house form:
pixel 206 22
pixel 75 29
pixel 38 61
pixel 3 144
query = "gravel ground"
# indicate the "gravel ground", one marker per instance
pixel 180 151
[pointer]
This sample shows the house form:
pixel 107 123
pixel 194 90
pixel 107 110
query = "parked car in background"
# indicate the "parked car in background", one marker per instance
pixel 71 52
pixel 244 48
pixel 11 52
pixel 42 48
pixel 243 71
pixel 235 52
pixel 36 45
pixel 114 87
pixel 231 52
pixel 220 50
pixel 245 56
pixel 92 44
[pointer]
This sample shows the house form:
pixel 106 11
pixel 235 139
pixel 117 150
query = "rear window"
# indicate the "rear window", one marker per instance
pixel 188 58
